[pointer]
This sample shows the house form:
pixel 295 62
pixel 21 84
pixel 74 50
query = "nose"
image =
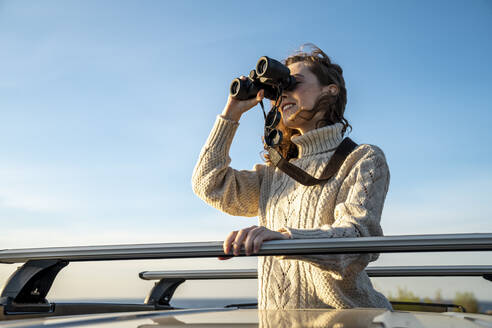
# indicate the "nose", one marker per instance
pixel 285 94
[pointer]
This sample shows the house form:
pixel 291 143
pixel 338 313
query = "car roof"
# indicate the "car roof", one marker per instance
pixel 236 317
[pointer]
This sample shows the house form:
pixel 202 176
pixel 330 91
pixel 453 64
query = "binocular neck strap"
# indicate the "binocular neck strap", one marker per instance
pixel 301 176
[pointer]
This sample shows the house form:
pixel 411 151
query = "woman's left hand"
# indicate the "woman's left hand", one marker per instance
pixel 251 238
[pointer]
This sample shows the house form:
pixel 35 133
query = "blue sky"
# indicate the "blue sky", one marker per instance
pixel 105 106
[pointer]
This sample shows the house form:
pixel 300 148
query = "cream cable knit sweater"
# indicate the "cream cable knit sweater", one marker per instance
pixel 348 205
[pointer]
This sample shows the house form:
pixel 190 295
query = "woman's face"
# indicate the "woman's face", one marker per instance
pixel 297 104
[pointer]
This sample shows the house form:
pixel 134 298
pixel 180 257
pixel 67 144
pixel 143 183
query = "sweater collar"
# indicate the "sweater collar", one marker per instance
pixel 319 140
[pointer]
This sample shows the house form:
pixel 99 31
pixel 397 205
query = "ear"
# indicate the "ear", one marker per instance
pixel 332 89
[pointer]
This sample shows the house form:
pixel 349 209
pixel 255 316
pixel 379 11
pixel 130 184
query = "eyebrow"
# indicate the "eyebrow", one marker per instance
pixel 299 75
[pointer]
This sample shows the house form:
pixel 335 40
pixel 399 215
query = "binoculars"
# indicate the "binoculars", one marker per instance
pixel 270 75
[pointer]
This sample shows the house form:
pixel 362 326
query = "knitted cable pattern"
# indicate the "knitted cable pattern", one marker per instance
pixel 348 205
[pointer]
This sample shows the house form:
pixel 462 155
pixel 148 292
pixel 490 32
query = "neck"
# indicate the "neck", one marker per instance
pixel 316 141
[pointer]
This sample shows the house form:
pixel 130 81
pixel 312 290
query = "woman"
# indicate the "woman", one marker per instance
pixel 347 205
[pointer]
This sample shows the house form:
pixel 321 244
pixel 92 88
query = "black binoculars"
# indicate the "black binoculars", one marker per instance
pixel 270 75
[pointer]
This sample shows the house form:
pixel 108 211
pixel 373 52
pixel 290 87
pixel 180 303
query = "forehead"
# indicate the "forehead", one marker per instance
pixel 300 68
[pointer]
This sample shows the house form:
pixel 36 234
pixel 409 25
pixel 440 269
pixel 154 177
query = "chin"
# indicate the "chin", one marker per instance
pixel 288 124
pixel 292 126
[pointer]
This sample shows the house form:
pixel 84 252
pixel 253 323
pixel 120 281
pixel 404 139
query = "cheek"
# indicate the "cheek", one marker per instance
pixel 307 97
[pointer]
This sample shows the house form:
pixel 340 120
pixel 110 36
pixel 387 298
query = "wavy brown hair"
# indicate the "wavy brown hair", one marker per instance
pixel 327 73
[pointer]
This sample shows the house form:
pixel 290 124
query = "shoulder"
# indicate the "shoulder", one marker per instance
pixel 366 153
pixel 365 158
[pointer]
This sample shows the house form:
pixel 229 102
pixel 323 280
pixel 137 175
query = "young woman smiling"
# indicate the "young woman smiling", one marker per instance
pixel 348 205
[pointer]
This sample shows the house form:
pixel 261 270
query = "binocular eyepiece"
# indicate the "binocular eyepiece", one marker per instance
pixel 270 75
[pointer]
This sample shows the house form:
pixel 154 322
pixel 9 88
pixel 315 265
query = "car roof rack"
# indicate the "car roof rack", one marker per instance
pixel 169 280
pixel 25 291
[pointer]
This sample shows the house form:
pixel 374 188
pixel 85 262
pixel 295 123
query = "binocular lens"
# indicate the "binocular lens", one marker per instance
pixel 272 69
pixel 261 66
pixel 242 89
pixel 234 87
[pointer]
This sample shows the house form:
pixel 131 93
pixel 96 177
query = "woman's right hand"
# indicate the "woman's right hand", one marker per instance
pixel 234 241
pixel 251 238
pixel 235 108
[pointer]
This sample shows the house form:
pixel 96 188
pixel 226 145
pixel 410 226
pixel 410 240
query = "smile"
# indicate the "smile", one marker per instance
pixel 287 107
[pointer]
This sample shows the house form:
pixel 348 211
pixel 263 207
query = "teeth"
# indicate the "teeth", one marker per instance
pixel 286 107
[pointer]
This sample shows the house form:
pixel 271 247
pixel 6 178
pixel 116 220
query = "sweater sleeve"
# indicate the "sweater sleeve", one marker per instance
pixel 358 215
pixel 231 191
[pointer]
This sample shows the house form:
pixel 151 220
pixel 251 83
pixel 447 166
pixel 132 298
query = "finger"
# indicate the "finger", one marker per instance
pixel 241 235
pixel 250 103
pixel 258 242
pixel 248 243
pixel 228 242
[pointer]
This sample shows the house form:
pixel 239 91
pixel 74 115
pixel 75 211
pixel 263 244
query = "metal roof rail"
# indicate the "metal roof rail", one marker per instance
pixel 200 274
pixel 373 271
pixel 169 281
pixel 387 244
